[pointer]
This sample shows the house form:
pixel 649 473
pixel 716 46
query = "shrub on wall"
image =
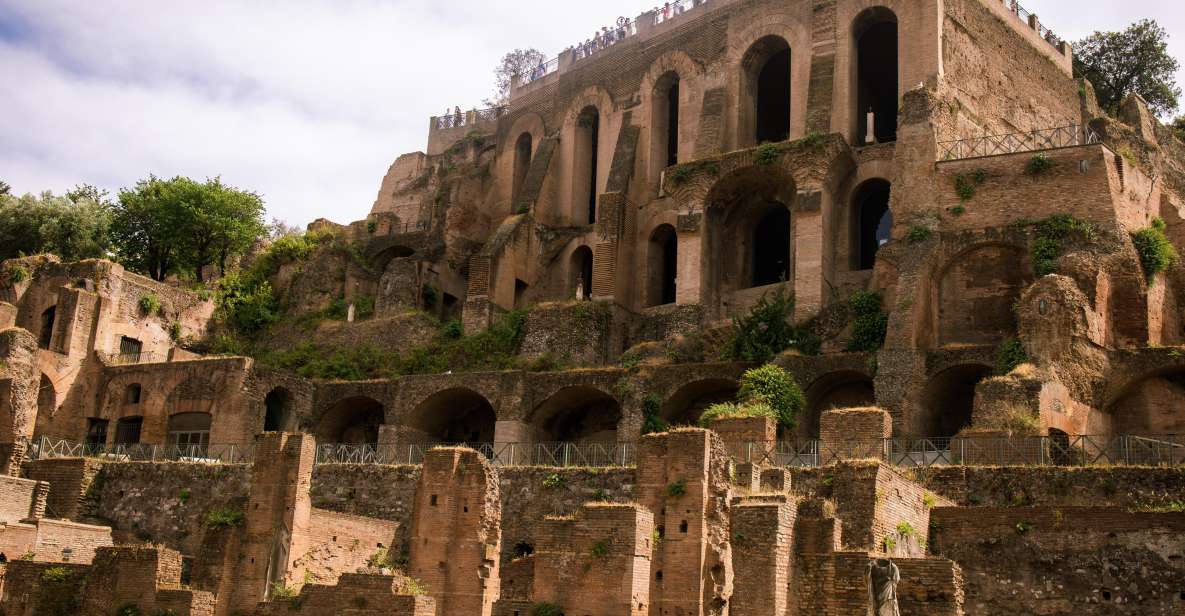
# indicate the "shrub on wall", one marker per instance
pixel 17 274
pixel 870 325
pixel 1051 237
pixel 765 331
pixel 1038 164
pixel 735 410
pixel 150 304
pixel 1010 355
pixel 652 420
pixel 1157 253
pixel 768 391
pixel 224 518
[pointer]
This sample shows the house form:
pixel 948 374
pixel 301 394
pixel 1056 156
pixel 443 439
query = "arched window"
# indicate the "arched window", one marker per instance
pixel 584 171
pixel 354 420
pixel 949 400
pixel 875 34
pixel 663 262
pixel 582 272
pixel 132 393
pixel 872 222
pixel 47 322
pixel 664 118
pixel 771 246
pixel 522 162
pixel 277 410
pixel 766 91
pixel 456 415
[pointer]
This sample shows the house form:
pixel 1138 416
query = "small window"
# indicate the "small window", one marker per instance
pixel 127 430
pixel 131 394
pixel 432 500
pixel 129 350
pixel 48 318
pixel 96 432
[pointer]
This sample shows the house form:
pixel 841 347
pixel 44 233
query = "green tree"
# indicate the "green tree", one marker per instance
pixel 165 226
pixel 73 227
pixel 5 188
pixel 1178 127
pixel 517 62
pixel 1135 60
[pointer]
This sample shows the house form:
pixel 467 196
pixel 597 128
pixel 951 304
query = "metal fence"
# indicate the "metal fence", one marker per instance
pixel 982 451
pixel 128 359
pixel 1024 15
pixel 46 448
pixel 501 454
pixel 1012 143
pixel 467 118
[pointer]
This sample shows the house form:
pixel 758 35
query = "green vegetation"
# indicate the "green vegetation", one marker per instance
pixel 280 591
pixel 767 330
pixel 1023 527
pixel 17 274
pixel 224 518
pixel 768 391
pixel 682 174
pixel 599 549
pixel 73 226
pixel 1038 164
pixel 905 529
pixel 412 586
pixel 1134 61
pixel 128 610
pixel 967 183
pixel 183 495
pixel 554 481
pixel 918 234
pixel 652 421
pixel 929 500
pixel 870 325
pixel 150 304
pixel 58 592
pixel 1009 355
pixel 379 559
pixel 767 154
pixel 1157 253
pixel 677 488
pixel 734 410
pixel 1052 236
pixel 546 609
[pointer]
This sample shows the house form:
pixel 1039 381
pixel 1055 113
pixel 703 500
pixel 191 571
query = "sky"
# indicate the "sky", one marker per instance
pixel 306 102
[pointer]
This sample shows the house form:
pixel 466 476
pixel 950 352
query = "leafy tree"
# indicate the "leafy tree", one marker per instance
pixel 5 188
pixel 73 227
pixel 1135 60
pixel 1178 127
pixel 517 62
pixel 165 226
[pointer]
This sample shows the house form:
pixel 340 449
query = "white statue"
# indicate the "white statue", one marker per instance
pixel 883 577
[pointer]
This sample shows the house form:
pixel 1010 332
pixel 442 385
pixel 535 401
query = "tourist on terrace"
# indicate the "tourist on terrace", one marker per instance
pixel 458 119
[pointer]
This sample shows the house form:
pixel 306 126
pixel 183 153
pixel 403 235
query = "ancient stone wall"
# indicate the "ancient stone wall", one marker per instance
pixel 340 543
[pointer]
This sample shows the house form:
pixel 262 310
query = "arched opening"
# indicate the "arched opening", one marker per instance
pixel 127 430
pixel 872 222
pixel 948 401
pixel 581 268
pixel 766 90
pixel 685 406
pixel 664 119
pixel 771 246
pixel 132 393
pixel 584 171
pixel 577 414
pixel 977 292
pixel 1151 406
pixel 47 399
pixel 96 431
pixel 189 431
pixel 839 390
pixel 456 415
pixel 277 414
pixel 875 35
pixel 354 420
pixel 662 266
pixel 522 162
pixel 48 317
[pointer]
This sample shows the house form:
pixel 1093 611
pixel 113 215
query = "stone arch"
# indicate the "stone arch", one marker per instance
pixel 277 410
pixel 948 401
pixel 875 74
pixel 836 390
pixel 524 148
pixel 789 27
pixel 741 206
pixel 580 272
pixel 662 265
pixel 871 222
pixel 589 151
pixel 353 420
pixel 976 292
pixel 454 415
pixel 193 395
pixel 686 404
pixel 526 124
pixel 576 414
pixel 766 90
pixel 1149 405
pixel 671 68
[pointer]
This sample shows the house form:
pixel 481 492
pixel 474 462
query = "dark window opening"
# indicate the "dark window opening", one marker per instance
pixel 582 272
pixel 96 431
pixel 522 162
pixel 132 393
pixel 275 404
pixel 876 75
pixel 673 124
pixel 664 265
pixel 520 293
pixel 771 247
pixel 874 220
pixel 451 307
pixel 523 548
pixel 127 430
pixel 949 400
pixel 190 432
pixel 683 527
pixel 130 349
pixel 588 127
pixel 47 322
pixel 773 98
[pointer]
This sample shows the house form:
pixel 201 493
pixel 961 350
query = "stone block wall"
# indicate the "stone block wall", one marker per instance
pixel 762 552
pixel 21 499
pixel 354 595
pixel 846 434
pixel 744 434
pixel 63 541
pixel 340 542
pixel 69 480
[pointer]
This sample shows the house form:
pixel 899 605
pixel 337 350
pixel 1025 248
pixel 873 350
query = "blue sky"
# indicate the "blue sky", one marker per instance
pixel 306 102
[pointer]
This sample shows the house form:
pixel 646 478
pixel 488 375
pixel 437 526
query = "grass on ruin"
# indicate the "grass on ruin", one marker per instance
pixel 1052 237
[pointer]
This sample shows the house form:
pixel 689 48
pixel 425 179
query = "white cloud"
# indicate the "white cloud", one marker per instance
pixel 306 102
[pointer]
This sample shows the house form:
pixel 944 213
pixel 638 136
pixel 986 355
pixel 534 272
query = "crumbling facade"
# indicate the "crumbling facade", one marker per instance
pixel 632 199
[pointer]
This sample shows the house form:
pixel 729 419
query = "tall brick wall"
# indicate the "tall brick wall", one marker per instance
pixel 762 555
pixel 354 595
pixel 340 543
pixel 19 500
pixel 69 480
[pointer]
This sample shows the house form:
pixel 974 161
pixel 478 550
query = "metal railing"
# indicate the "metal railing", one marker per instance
pixel 500 454
pixel 1013 143
pixel 467 118
pixel 674 10
pixel 45 448
pixel 981 451
pixel 1024 15
pixel 128 359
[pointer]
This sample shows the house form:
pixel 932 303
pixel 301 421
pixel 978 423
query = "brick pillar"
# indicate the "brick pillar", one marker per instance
pixel 747 439
pixel 456 537
pixel 277 518
pixel 683 478
pixel 689 282
pixel 853 434
pixel 808 254
pixel 69 480
pixel 762 543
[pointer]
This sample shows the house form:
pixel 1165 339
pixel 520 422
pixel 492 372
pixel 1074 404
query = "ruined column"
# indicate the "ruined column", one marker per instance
pixel 456 537
pixel 762 544
pixel 853 434
pixel 19 379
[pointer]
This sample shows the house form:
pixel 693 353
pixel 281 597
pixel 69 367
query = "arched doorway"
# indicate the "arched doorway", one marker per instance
pixel 977 291
pixel 581 272
pixel 685 406
pixel 662 266
pixel 875 35
pixel 455 415
pixel 771 245
pixel 584 170
pixel 48 318
pixel 277 415
pixel 577 414
pixel 766 91
pixel 839 390
pixel 872 222
pixel 354 420
pixel 522 162
pixel 664 119
pixel 949 400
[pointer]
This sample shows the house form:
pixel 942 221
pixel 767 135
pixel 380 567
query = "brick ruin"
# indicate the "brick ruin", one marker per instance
pixel 630 202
